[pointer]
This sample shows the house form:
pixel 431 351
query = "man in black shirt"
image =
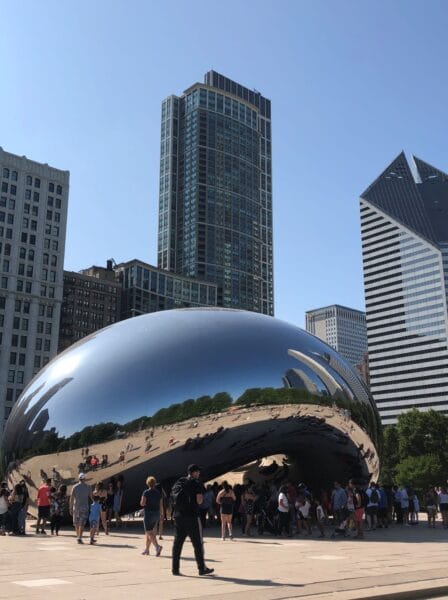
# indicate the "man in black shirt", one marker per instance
pixel 187 494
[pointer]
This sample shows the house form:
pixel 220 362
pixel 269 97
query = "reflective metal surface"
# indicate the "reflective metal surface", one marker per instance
pixel 211 386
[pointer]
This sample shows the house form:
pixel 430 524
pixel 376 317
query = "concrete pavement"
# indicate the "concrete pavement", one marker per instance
pixel 393 563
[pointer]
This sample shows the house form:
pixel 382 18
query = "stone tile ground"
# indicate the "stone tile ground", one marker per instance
pixel 411 561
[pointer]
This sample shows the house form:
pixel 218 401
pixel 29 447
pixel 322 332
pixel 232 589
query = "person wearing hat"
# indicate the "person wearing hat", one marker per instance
pixel 79 505
pixel 187 495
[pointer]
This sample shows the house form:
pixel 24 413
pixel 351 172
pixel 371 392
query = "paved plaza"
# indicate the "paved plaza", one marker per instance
pixel 402 562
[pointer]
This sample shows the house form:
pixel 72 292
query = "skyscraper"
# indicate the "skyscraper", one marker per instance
pixel 215 204
pixel 33 218
pixel 404 225
pixel 342 328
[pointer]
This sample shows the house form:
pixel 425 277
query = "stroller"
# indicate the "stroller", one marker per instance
pixel 266 522
pixel 340 530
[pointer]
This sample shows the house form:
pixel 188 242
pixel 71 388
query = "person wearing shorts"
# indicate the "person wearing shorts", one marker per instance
pixel 79 506
pixel 431 507
pixel 359 504
pixel 43 506
pixel 94 518
pixel 152 503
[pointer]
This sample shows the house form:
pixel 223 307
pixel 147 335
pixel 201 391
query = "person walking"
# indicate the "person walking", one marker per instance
pixel 94 518
pixel 152 504
pixel 226 501
pixel 79 505
pixel 372 506
pixel 58 509
pixel 24 510
pixel 43 506
pixel 249 498
pixel 338 503
pixel 187 495
pixel 431 507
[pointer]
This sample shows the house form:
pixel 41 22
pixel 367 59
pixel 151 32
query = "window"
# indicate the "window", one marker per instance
pixel 9 395
pixel 6 173
pixel 29 270
pixel 7 250
pixel 37 361
pixel 8 233
pixel 58 203
pixel 57 217
pixel 4 283
pixel 22 357
pixel 59 189
pixel 29 180
pixel 40 327
pixel 48 228
pixel 24 238
pixel 51 187
pixel 47 345
pixel 25 324
pixel 43 290
pixel 14 175
pixel 13 190
pixel 37 182
pixel 38 344
pixel 18 306
pixel 48 328
pixel 21 270
pixel 36 196
pixel 54 260
pixel 52 276
pixel 51 292
pixel 35 211
pixel 25 222
pixel 55 230
pixel 23 341
pixel 6 266
pixel 11 375
pixel 26 208
pixel 4 186
pixel 28 287
pixel 32 239
pixel 11 204
pixel 19 285
pixel 3 201
pixel 55 245
pixel 46 243
pixel 10 219
pixel 14 340
pixel 19 376
pixel 45 258
pixel 49 215
pixel 50 200
pixel 44 274
pixel 49 311
pixel 33 225
pixel 12 358
pixel 41 310
pixel 22 253
pixel 31 254
pixel 27 194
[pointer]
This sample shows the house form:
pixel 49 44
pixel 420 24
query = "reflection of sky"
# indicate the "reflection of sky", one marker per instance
pixel 140 365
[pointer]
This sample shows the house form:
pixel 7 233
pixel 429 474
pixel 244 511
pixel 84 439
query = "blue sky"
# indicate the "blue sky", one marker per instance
pixel 352 83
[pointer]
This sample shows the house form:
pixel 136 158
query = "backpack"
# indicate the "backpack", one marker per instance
pixel 180 496
pixel 374 496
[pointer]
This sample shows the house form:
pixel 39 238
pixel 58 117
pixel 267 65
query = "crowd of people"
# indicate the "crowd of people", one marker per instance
pixel 280 508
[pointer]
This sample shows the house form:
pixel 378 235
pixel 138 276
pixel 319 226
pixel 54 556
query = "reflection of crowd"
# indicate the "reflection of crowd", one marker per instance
pixel 200 441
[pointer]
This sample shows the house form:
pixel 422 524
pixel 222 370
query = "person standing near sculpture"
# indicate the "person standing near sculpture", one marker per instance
pixel 187 495
pixel 79 505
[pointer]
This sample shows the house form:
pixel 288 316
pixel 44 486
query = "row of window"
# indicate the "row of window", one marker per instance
pixel 13 175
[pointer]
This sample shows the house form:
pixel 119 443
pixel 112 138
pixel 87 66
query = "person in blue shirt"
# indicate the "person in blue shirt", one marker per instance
pixel 94 517
pixel 383 508
pixel 152 503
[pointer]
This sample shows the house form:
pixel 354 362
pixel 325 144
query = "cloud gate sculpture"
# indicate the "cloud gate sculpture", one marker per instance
pixel 216 387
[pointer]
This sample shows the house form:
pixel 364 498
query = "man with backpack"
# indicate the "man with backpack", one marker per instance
pixel 187 496
pixel 372 506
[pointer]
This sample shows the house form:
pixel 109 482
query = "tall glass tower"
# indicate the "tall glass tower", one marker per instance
pixel 215 205
pixel 404 229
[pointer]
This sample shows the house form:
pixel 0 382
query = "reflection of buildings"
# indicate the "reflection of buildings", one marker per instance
pixel 33 216
pixel 215 202
pixel 92 300
pixel 404 229
pixel 299 379
pixel 342 328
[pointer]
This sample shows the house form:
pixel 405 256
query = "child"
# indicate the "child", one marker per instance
pixel 320 518
pixel 94 518
pixel 55 512
pixel 303 506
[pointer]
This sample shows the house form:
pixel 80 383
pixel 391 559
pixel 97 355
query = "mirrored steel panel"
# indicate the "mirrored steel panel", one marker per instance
pixel 217 387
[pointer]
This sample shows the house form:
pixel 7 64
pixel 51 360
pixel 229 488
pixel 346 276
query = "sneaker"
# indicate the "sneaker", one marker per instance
pixel 159 550
pixel 223 539
pixel 176 573
pixel 92 542
pixel 80 541
pixel 43 532
pixel 145 553
pixel 160 537
pixel 206 571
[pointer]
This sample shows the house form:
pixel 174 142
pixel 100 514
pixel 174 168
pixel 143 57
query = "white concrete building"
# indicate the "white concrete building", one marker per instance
pixel 342 328
pixel 33 220
pixel 404 230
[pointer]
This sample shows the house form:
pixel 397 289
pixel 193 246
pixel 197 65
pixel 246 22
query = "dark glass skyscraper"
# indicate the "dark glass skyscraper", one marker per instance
pixel 215 211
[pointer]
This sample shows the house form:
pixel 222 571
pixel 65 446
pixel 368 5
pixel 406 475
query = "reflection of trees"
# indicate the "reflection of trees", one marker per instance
pixel 360 412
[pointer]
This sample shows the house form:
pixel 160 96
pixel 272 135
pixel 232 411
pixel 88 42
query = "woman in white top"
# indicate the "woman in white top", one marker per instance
pixel 283 511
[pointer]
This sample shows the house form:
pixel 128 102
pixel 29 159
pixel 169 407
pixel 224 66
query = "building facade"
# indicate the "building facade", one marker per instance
pixel 342 328
pixel 404 229
pixel 91 301
pixel 147 289
pixel 33 219
pixel 215 202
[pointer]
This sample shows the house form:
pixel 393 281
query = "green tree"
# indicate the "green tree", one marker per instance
pixel 420 472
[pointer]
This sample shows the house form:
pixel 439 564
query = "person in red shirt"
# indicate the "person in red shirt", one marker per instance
pixel 43 506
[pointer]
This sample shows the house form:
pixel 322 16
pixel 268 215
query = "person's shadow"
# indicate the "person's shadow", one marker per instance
pixel 257 582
